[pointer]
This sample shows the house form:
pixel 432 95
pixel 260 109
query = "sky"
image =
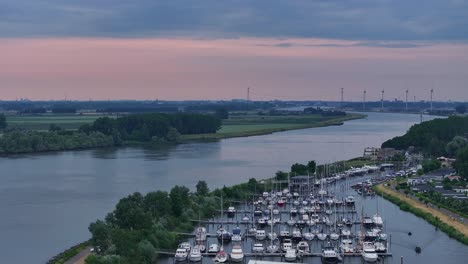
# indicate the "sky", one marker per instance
pixel 211 49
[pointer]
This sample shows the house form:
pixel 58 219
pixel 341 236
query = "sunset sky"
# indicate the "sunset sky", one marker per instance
pixel 211 49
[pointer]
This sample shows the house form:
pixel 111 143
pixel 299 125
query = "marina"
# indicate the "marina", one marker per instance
pixel 324 223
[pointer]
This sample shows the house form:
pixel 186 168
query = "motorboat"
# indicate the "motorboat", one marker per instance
pixel 195 254
pixel 245 219
pixel 272 248
pixel 201 247
pixel 334 236
pixel 291 222
pixel 380 247
pixel 350 200
pixel 345 232
pixel 223 234
pixel 281 202
pixel 329 254
pixel 346 246
pixel 377 220
pixel 293 212
pixel 303 247
pixel 368 252
pixel 236 234
pixel 261 222
pixel 272 236
pixel 258 248
pixel 284 234
pixel 221 256
pixel 276 211
pixel 290 255
pixel 287 244
pixel 367 222
pixel 181 254
pixel 258 212
pixel 200 234
pixel 296 234
pixel 186 246
pixel 213 248
pixel 347 222
pixel 231 211
pixel 308 236
pixel 321 236
pixel 260 235
pixel 236 254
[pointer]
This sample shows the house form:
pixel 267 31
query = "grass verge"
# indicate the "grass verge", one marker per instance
pixel 230 130
pixel 452 228
pixel 69 253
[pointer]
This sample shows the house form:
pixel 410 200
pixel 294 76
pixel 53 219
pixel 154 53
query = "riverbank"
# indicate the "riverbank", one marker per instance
pixel 232 130
pixel 447 224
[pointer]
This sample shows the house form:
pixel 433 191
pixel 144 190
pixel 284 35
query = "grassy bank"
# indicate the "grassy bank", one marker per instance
pixel 262 125
pixel 69 253
pixel 43 122
pixel 451 227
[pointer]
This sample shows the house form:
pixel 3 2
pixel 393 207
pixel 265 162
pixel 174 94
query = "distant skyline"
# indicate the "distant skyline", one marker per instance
pixel 191 50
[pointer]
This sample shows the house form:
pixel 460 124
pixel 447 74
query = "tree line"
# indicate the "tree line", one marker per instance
pixel 432 137
pixel 154 126
pixel 105 132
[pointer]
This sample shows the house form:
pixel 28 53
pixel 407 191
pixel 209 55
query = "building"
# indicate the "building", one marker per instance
pixel 302 184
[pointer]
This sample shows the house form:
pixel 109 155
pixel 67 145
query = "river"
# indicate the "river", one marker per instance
pixel 48 200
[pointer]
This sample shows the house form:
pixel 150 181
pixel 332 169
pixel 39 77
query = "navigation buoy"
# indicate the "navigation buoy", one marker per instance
pixel 418 249
pixel 409 233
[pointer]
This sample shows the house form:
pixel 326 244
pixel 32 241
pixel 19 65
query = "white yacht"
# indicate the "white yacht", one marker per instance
pixel 272 236
pixel 260 235
pixel 272 248
pixel 186 246
pixel 303 247
pixel 181 254
pixel 329 255
pixel 321 236
pixel 345 232
pixel 200 234
pixel 213 248
pixel 195 255
pixel 290 255
pixel 308 236
pixel 287 244
pixel 368 252
pixel 236 254
pixel 350 200
pixel 377 220
pixel 221 256
pixel 380 247
pixel 346 246
pixel 258 248
pixel 334 236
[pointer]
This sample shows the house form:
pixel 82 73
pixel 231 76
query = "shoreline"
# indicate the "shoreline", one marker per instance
pixel 452 227
pixel 216 136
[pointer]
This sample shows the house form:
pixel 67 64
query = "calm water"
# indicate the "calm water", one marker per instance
pixel 47 201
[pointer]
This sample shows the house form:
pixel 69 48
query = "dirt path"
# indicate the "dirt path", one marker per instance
pixel 463 228
pixel 80 257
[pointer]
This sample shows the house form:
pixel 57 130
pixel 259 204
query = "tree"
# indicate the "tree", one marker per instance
pixel 461 109
pixel 461 164
pixel 100 235
pixel 202 188
pixel 431 165
pixel 3 123
pixel 54 128
pixel 299 169
pixel 281 175
pixel 173 135
pixel 311 166
pixel 456 145
pixel 222 113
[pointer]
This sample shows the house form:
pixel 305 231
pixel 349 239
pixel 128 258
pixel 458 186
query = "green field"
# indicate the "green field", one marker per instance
pixel 252 125
pixel 42 122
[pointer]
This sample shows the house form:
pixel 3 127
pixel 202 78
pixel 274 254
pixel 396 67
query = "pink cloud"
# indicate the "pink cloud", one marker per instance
pixel 83 68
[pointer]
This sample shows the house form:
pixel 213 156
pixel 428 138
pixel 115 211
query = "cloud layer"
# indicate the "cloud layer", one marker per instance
pixel 428 20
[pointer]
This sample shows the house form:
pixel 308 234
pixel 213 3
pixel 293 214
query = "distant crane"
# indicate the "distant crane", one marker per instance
pixel 364 100
pixel 432 92
pixel 342 97
pixel 381 107
pixel 406 100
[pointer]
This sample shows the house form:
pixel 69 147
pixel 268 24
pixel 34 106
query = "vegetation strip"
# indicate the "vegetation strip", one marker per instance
pixel 451 227
pixel 69 253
